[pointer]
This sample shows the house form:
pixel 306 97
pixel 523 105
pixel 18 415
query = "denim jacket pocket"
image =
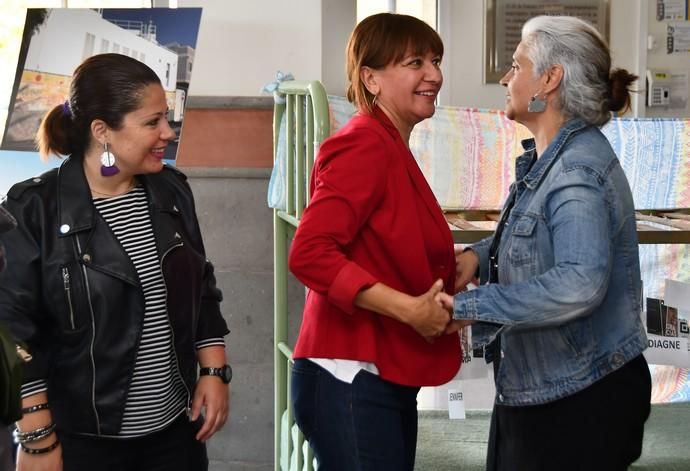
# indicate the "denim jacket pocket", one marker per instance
pixel 578 335
pixel 522 240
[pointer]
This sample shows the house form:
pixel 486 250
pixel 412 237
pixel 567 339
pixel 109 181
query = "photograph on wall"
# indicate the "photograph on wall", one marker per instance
pixel 56 41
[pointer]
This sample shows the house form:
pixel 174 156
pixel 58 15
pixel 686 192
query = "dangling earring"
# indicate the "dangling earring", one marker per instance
pixel 108 167
pixel 373 102
pixel 536 105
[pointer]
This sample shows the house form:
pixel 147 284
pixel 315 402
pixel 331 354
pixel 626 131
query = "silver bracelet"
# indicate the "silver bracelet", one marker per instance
pixel 35 408
pixel 39 451
pixel 33 435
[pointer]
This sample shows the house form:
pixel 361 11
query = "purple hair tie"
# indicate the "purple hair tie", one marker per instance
pixel 66 110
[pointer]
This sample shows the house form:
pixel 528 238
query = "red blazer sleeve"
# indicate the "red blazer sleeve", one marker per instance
pixel 348 182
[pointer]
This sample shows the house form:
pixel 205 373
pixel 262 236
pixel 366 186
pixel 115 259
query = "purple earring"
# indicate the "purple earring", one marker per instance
pixel 108 167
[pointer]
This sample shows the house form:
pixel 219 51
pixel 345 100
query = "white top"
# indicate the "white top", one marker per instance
pixel 345 370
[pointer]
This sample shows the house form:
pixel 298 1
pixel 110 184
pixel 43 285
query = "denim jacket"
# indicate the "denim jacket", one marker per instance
pixel 567 304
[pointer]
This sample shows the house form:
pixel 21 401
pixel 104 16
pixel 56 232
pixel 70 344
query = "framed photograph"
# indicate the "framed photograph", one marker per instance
pixel 57 40
pixel 504 20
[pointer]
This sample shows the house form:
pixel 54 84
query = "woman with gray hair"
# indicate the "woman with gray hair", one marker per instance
pixel 559 304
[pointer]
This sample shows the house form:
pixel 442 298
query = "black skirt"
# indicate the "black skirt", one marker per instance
pixel 598 428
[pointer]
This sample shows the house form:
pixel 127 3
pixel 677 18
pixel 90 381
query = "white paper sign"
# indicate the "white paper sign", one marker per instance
pixel 677 294
pixel 667 351
pixel 456 402
pixel 473 367
pixel 666 320
pixel 473 364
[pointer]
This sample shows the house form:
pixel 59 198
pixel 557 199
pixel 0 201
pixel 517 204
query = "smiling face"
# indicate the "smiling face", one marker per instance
pixel 521 85
pixel 139 144
pixel 406 90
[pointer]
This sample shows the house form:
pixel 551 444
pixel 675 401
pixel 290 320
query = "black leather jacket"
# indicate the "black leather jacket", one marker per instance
pixel 7 223
pixel 71 293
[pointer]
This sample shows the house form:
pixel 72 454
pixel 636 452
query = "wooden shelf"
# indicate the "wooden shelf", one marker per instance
pixel 654 226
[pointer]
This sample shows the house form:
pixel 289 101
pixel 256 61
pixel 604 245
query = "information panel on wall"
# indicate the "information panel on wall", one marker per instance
pixel 678 36
pixel 504 20
pixel 671 10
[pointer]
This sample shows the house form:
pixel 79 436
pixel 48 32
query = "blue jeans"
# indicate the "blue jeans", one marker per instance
pixel 370 424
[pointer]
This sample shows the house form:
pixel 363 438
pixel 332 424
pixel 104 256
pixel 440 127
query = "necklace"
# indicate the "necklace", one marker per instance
pixel 129 188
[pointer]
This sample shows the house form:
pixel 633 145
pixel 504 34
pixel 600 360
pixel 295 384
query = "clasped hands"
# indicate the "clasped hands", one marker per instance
pixel 436 307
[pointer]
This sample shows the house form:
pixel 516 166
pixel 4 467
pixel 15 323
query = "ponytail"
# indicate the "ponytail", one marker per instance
pixel 53 134
pixel 619 86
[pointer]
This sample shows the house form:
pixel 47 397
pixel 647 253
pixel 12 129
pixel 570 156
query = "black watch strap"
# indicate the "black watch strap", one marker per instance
pixel 224 372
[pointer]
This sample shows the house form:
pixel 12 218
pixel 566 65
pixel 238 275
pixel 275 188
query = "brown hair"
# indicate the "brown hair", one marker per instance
pixel 619 82
pixel 104 86
pixel 380 40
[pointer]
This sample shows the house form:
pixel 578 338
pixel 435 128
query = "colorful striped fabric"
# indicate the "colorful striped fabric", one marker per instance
pixel 468 155
pixel 655 154
pixel 670 384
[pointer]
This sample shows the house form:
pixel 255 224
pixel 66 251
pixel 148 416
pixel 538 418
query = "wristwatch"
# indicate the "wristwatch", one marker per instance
pixel 224 372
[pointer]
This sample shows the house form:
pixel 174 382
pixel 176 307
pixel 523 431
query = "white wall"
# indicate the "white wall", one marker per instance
pixel 462 28
pixel 243 43
pixel 338 20
pixel 628 31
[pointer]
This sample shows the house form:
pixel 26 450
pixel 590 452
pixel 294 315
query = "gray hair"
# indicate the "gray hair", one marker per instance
pixel 589 90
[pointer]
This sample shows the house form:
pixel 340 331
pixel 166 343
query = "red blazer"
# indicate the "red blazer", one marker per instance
pixel 372 217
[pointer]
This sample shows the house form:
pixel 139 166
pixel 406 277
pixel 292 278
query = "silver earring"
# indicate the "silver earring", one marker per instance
pixel 108 167
pixel 536 105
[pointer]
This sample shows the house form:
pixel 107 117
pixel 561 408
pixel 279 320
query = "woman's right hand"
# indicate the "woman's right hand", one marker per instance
pixel 423 313
pixel 50 461
pixel 426 315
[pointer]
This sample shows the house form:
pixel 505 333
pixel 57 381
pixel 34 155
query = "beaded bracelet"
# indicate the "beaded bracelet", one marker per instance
pixel 38 451
pixel 33 435
pixel 34 408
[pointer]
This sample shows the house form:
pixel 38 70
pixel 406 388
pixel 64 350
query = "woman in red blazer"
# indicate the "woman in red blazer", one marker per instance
pixel 374 249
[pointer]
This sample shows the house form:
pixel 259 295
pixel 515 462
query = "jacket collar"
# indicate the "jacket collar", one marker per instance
pixel 76 211
pixel 533 176
pixel 75 208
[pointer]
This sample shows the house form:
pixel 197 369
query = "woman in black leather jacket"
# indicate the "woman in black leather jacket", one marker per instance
pixel 7 223
pixel 109 287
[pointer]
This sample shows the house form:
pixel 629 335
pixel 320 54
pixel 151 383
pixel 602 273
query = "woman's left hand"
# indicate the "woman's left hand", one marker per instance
pixel 454 325
pixel 213 396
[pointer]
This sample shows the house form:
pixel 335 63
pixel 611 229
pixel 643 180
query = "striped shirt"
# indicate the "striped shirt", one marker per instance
pixel 157 394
